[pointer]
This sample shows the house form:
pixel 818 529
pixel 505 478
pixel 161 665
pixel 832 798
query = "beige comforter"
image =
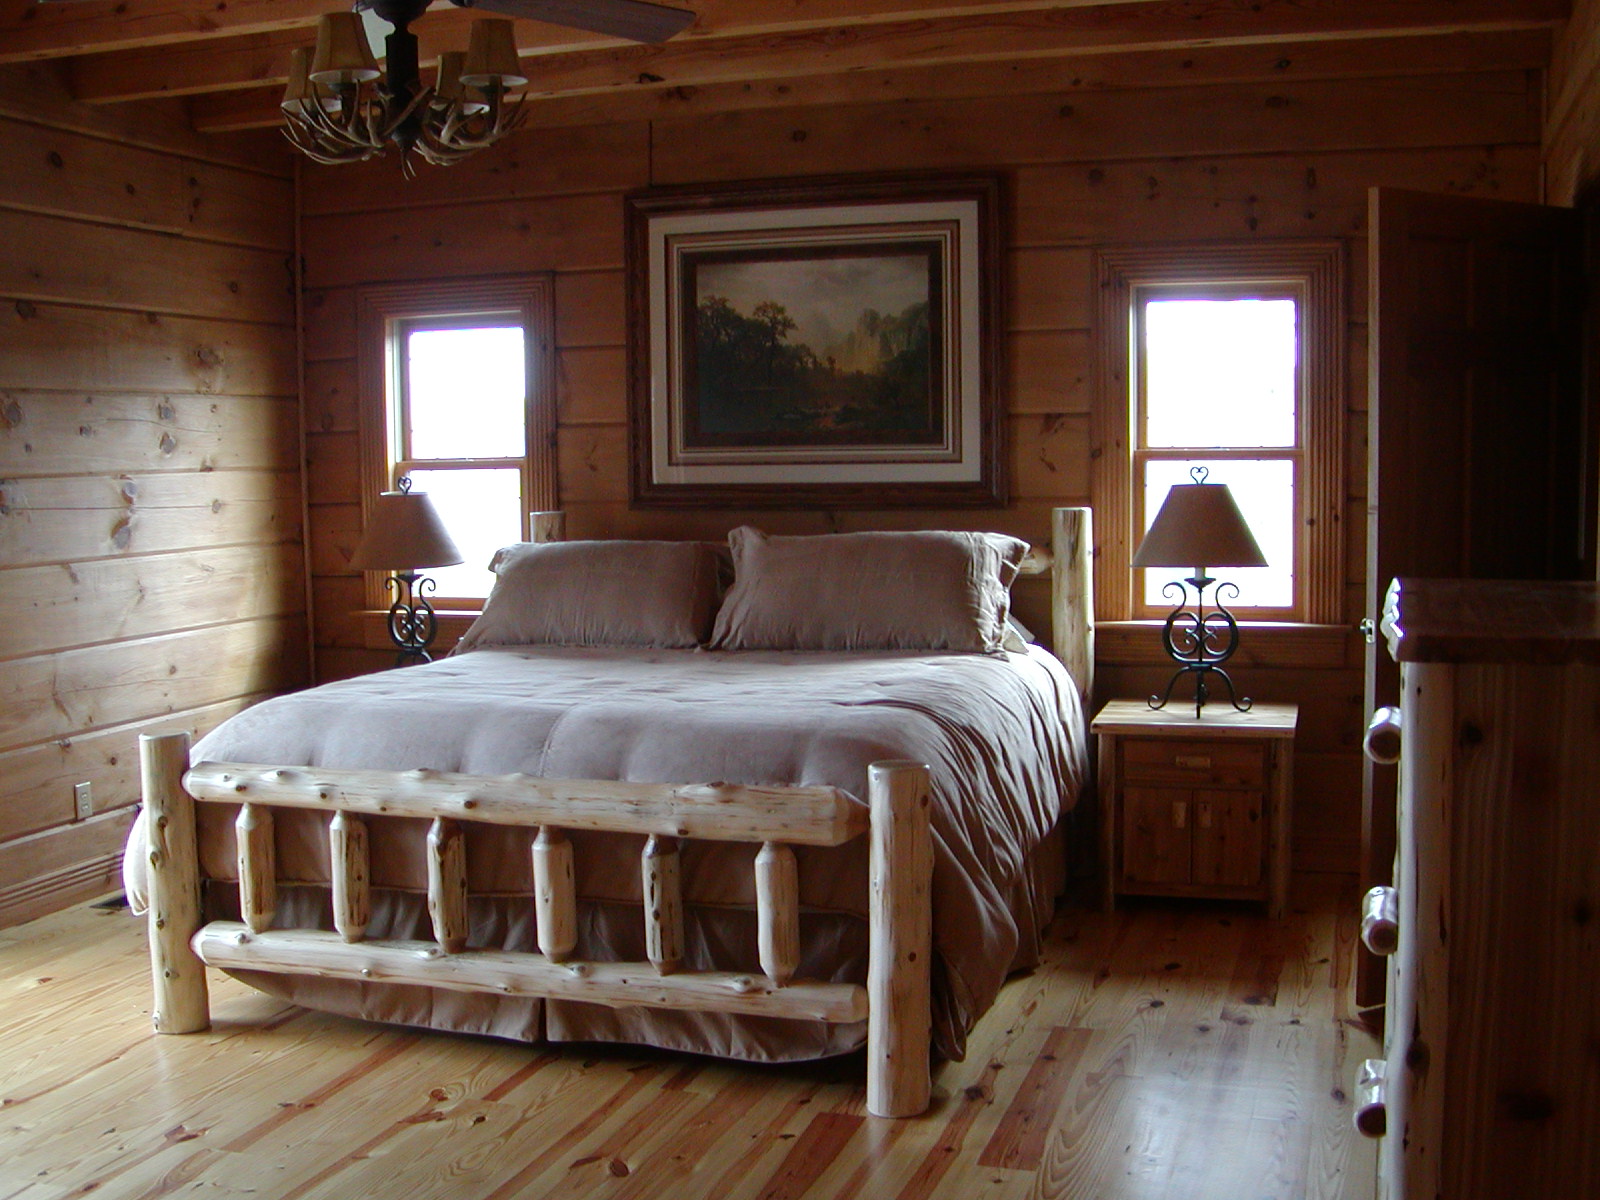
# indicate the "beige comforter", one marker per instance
pixel 1003 735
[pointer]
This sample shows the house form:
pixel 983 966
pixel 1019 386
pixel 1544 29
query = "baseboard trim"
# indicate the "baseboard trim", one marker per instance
pixel 50 893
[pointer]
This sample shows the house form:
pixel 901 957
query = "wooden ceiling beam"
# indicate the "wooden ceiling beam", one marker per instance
pixel 1340 58
pixel 30 30
pixel 1010 34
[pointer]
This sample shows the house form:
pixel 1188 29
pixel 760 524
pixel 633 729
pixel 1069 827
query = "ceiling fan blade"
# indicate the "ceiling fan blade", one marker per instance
pixel 636 20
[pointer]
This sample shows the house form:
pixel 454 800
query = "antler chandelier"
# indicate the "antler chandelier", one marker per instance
pixel 340 108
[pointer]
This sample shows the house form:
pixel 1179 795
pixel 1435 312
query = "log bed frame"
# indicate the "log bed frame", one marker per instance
pixel 895 1002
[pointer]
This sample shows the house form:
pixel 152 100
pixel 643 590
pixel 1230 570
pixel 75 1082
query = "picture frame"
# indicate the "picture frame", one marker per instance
pixel 816 343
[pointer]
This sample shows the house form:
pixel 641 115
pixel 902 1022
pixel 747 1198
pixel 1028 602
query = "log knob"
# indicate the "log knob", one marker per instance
pixel 1380 920
pixel 1382 742
pixel 1371 1111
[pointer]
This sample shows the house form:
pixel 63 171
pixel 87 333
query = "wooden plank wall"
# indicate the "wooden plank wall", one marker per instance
pixel 151 556
pixel 1572 118
pixel 1281 149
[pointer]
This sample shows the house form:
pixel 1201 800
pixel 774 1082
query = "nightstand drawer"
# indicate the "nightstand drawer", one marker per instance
pixel 1195 764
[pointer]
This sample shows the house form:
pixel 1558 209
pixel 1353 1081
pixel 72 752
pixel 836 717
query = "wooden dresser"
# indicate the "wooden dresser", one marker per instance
pixel 1492 1048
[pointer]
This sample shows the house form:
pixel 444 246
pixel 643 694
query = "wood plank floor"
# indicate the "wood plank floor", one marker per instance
pixel 1171 1051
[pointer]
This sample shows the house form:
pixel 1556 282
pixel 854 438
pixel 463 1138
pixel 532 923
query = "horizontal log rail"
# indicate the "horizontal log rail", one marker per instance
pixel 811 816
pixel 232 945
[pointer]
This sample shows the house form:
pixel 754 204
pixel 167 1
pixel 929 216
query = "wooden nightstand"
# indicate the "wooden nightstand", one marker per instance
pixel 1196 807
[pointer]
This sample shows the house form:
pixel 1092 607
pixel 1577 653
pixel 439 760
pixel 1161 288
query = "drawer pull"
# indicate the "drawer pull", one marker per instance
pixel 1371 1110
pixel 1382 742
pixel 1380 920
pixel 1199 762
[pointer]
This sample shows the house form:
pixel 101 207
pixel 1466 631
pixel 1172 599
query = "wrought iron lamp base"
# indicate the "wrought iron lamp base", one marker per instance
pixel 1200 642
pixel 412 623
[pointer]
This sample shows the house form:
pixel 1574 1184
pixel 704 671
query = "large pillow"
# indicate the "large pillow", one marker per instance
pixel 924 590
pixel 617 593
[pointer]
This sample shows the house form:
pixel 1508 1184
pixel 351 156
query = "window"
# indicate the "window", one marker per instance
pixel 456 395
pixel 1230 359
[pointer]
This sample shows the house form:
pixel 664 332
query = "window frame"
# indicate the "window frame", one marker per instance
pixel 384 314
pixel 1142 453
pixel 1313 274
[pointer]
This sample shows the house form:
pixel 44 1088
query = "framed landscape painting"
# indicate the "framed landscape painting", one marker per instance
pixel 826 343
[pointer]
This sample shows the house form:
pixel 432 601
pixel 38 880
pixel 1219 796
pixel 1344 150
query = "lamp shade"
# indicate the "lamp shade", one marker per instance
pixel 492 55
pixel 404 532
pixel 343 55
pixel 1199 525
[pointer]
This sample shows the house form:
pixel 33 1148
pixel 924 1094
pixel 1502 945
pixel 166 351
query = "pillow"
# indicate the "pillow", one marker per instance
pixel 613 593
pixel 1016 637
pixel 924 590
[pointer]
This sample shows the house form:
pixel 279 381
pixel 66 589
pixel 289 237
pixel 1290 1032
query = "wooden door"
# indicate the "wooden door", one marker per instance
pixel 1228 842
pixel 1155 835
pixel 1477 458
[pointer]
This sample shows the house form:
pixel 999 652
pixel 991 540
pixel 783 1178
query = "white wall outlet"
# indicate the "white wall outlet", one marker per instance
pixel 83 798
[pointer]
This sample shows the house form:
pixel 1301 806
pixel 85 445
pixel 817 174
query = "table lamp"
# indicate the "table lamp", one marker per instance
pixel 1199 523
pixel 404 533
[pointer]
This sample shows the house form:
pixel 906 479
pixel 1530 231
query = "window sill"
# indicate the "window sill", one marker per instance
pixel 1261 644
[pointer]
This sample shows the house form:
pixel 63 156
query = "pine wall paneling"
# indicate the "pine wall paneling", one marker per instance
pixel 1268 149
pixel 1572 118
pixel 151 548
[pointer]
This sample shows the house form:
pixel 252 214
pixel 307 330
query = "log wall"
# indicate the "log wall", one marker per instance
pixel 151 549
pixel 1572 119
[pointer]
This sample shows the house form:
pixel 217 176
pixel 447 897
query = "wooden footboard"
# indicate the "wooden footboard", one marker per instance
pixel 895 1002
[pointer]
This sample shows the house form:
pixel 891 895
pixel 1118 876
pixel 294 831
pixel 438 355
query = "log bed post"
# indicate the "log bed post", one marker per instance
pixel 447 884
pixel 351 875
pixel 663 904
pixel 1072 596
pixel 899 997
pixel 555 902
pixel 777 911
pixel 180 1003
pixel 258 872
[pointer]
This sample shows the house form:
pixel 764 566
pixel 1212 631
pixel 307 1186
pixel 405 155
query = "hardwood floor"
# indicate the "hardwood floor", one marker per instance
pixel 1171 1050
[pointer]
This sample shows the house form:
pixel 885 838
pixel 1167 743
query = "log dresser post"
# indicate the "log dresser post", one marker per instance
pixel 900 914
pixel 180 1003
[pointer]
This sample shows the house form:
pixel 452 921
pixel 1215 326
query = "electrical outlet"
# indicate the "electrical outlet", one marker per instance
pixel 83 797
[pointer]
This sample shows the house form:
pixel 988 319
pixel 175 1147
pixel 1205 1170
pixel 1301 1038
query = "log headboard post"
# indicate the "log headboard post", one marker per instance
pixel 547 526
pixel 1072 595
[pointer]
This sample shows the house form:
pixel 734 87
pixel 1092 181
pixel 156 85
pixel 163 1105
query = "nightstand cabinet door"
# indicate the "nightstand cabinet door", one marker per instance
pixel 1155 835
pixel 1229 848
